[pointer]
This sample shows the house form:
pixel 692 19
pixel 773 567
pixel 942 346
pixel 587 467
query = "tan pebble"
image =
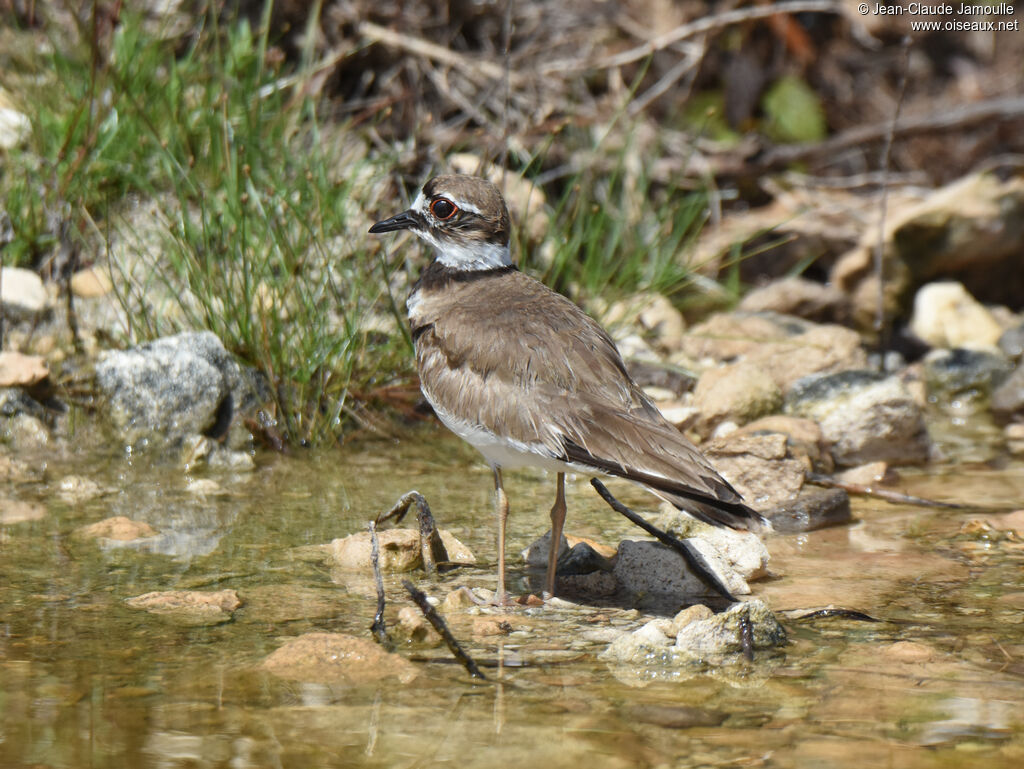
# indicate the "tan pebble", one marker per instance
pixel 909 652
pixel 120 528
pixel 90 283
pixel 457 600
pixel 1008 521
pixel 694 613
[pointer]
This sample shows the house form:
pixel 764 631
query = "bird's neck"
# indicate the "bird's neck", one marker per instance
pixel 479 255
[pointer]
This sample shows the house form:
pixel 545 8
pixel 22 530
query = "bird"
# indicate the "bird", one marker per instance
pixel 525 376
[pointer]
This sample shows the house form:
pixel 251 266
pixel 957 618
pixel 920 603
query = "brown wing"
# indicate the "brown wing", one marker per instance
pixel 524 362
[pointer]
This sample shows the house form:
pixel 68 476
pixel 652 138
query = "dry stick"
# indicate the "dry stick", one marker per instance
pixel 432 549
pixel 747 637
pixel 901 90
pixel 889 496
pixel 378 627
pixel 470 67
pixel 441 627
pixel 692 29
pixel 988 111
pixel 693 558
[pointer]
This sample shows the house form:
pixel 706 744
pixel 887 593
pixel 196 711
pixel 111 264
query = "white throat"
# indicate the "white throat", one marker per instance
pixel 478 256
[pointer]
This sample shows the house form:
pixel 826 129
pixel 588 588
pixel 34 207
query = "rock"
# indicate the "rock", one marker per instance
pixel 1012 342
pixel 189 607
pixel 715 639
pixel 811 510
pixel 786 348
pixel 721 635
pixel 1008 522
pixel 413 625
pixel 738 392
pixel 24 432
pixel 645 646
pixel 458 600
pixel 15 126
pixel 964 377
pixel 536 555
pixel 15 401
pixel 663 375
pixel 694 613
pixel 336 658
pixel 674 716
pixel 1014 435
pixel 726 337
pixel 652 569
pixel 399 550
pixel 17 370
pixel 654 314
pixel 910 652
pixel 581 559
pixel 19 511
pixel 174 387
pixel 804 439
pixel 799 297
pixel 1008 398
pixel 865 416
pixel 291 602
pixel 90 283
pixel 742 551
pixel 759 467
pixel 971 230
pixel 23 295
pixel 945 315
pixel 76 489
pixel 869 474
pixel 118 528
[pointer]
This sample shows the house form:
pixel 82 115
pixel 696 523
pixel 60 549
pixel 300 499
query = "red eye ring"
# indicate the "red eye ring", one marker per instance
pixel 443 209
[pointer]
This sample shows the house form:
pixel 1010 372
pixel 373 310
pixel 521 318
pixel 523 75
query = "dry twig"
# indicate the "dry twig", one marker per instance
pixel 441 627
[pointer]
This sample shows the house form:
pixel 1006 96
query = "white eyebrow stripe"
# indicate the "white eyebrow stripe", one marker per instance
pixel 465 206
pixel 420 204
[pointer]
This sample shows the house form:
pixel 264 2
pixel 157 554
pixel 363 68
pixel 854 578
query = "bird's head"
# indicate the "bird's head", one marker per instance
pixel 464 218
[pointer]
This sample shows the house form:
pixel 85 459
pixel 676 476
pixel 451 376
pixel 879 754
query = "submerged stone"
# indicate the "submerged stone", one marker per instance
pixel 189 607
pixel 813 509
pixel 337 658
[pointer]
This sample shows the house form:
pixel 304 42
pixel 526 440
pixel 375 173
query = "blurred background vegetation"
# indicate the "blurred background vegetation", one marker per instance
pixel 223 161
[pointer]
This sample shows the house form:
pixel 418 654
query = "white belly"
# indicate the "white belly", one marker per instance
pixel 503 452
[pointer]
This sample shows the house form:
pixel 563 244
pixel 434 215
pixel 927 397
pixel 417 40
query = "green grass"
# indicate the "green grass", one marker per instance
pixel 257 230
pixel 251 236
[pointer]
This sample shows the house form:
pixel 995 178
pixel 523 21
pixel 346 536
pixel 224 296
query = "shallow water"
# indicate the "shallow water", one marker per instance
pixel 87 682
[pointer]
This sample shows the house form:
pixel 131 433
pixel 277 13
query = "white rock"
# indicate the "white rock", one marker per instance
pixel 946 315
pixel 23 294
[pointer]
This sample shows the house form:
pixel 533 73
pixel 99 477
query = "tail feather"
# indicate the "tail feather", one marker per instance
pixel 720 505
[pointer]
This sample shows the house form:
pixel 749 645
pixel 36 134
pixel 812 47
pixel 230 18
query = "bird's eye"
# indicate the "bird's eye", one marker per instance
pixel 443 208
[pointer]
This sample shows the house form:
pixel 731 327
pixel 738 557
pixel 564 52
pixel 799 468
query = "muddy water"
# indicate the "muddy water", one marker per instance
pixel 87 682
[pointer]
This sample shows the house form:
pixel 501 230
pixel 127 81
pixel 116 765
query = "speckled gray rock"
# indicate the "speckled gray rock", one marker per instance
pixel 864 415
pixel 176 386
pixel 965 375
pixel 655 570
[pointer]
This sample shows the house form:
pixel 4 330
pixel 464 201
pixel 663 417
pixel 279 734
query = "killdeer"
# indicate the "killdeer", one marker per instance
pixel 528 378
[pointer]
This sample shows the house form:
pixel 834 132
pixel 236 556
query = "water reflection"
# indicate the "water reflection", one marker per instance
pixel 85 681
